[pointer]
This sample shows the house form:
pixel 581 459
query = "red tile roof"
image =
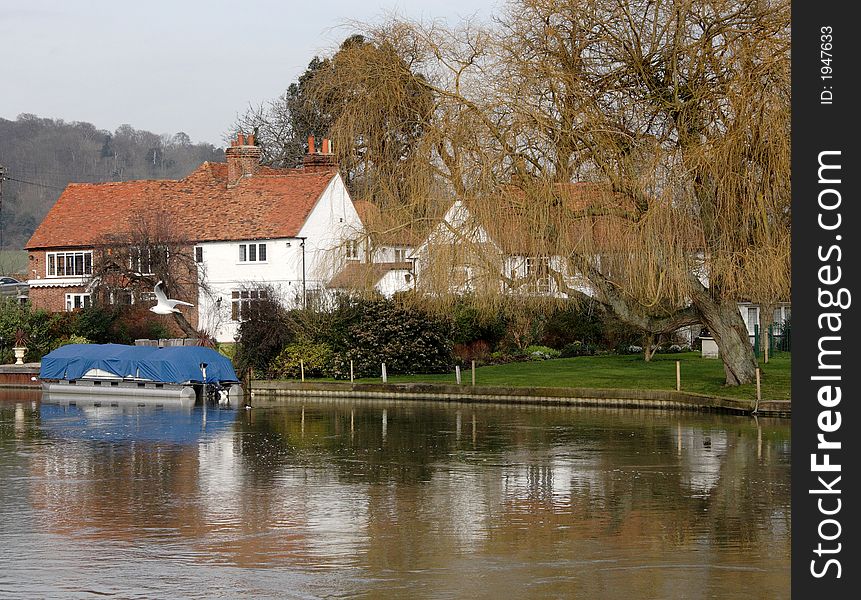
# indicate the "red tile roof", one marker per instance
pixel 577 214
pixel 271 204
pixel 386 230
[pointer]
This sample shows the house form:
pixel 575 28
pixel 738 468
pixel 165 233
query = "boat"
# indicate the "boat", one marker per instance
pixel 176 375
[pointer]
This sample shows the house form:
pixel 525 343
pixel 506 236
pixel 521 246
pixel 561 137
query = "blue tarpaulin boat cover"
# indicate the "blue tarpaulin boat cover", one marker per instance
pixel 175 364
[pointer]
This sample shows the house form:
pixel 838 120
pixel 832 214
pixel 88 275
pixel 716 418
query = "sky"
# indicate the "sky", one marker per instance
pixel 176 65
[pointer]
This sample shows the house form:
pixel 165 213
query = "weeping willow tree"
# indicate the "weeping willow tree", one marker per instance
pixel 637 151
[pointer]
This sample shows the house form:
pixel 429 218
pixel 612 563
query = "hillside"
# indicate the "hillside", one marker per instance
pixel 49 153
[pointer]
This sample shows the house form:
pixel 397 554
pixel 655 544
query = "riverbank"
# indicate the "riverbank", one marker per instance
pixel 698 375
pixel 611 398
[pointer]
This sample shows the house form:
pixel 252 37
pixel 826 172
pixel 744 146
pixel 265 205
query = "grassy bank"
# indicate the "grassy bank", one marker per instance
pixel 700 375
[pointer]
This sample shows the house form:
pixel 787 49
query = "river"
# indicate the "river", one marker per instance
pixel 366 499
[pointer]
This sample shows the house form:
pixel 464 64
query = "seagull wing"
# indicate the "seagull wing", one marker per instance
pixel 159 293
pixel 175 302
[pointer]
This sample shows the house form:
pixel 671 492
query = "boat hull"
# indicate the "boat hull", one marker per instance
pixel 84 391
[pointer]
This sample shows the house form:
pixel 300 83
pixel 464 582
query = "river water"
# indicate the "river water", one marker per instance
pixel 343 499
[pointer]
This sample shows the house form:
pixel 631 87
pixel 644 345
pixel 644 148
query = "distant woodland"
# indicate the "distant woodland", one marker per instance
pixel 49 153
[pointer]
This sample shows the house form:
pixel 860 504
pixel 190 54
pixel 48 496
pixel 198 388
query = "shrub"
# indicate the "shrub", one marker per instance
pixel 581 322
pixel 316 356
pixel 524 327
pixel 96 323
pixel 372 331
pixel 471 324
pixel 541 352
pixel 263 334
pixel 577 348
pixel 73 339
pixel 478 351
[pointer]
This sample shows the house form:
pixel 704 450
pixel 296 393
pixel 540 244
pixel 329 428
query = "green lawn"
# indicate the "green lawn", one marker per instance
pixel 699 375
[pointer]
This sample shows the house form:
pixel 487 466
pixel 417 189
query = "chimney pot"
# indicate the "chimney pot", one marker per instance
pixel 326 146
pixel 243 159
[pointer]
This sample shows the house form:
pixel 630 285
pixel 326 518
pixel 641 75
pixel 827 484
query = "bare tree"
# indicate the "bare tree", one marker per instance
pixel 127 266
pixel 676 112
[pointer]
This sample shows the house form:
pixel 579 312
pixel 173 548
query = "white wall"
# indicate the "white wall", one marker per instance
pixel 332 220
pixel 384 254
pixel 395 281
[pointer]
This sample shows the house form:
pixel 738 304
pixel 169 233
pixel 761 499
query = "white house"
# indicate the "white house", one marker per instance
pixel 468 253
pixel 251 229
pixel 388 267
pixel 465 254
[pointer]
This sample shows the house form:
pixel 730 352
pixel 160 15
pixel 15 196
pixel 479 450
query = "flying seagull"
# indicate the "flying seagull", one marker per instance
pixel 165 305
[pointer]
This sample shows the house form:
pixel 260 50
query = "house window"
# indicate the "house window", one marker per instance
pixel 252 253
pixel 77 301
pixel 400 255
pixel 538 273
pixel 69 264
pixel 146 260
pixel 121 297
pixel 198 254
pixel 752 319
pixel 352 249
pixel 241 302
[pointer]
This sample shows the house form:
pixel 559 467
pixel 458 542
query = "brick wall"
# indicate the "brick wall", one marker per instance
pixel 53 299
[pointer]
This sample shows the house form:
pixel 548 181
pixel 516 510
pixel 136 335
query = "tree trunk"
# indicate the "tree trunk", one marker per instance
pixel 186 327
pixel 650 346
pixel 727 327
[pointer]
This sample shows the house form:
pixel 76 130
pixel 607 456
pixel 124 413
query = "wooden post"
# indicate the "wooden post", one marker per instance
pixel 385 378
pixel 457 374
pixel 473 373
pixel 351 371
pixel 302 369
pixel 766 337
pixel 678 376
pixel 758 393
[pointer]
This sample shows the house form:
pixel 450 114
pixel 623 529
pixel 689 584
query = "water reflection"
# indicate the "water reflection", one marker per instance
pixel 379 500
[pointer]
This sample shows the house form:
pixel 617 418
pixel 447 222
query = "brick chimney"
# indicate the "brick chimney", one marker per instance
pixel 319 161
pixel 243 159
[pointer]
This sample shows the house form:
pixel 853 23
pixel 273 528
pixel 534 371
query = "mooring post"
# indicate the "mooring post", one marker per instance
pixel 473 373
pixel 249 377
pixel 302 369
pixel 678 376
pixel 351 371
pixel 385 378
pixel 457 373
